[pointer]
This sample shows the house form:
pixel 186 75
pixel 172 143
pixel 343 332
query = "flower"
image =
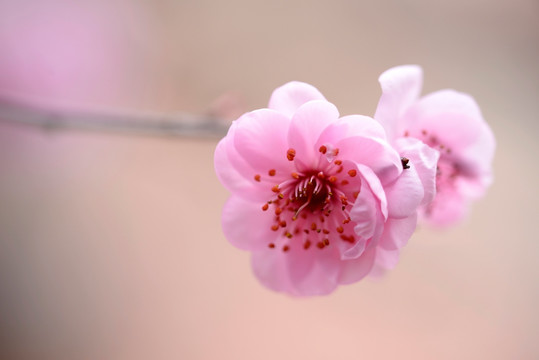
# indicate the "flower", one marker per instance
pixel 449 122
pixel 319 200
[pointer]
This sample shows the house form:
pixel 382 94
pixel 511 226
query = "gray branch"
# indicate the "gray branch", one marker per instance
pixel 15 111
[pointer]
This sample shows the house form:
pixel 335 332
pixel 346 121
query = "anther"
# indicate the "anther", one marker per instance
pixel 356 194
pixel 275 188
pixel 282 223
pixel 271 245
pixel 338 162
pixel 326 242
pixel 295 175
pixel 271 172
pixel 290 154
pixel 265 207
pixel 340 229
pixel 344 182
pixel 320 245
pixel 325 231
pixel 352 172
pixel 275 227
pixel 307 245
pixel 405 162
pixel 278 211
pixel 288 235
pixel 348 238
pixel 257 177
pixel 323 149
pixel 280 196
pixel 332 179
pixel 286 248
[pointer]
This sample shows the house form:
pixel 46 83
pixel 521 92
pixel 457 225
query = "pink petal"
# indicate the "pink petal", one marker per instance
pixel 260 139
pixel 307 125
pixel 351 126
pixel 234 173
pixel 289 97
pixel 246 226
pixel 397 232
pixel 314 274
pixel 401 87
pixel 269 266
pixel 424 160
pixel 453 118
pixel 375 186
pixel 295 274
pixel 376 154
pixel 364 215
pixel 405 194
pixel 356 269
pixel 448 208
pixel 387 259
pixel 479 155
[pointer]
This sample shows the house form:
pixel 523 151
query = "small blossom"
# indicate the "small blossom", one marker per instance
pixel 320 200
pixel 449 122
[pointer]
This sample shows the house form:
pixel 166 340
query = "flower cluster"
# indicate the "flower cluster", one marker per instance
pixel 322 200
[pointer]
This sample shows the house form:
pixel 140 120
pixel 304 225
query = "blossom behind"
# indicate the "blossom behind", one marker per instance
pixel 449 122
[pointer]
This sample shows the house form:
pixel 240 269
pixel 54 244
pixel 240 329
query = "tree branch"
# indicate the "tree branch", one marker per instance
pixel 49 118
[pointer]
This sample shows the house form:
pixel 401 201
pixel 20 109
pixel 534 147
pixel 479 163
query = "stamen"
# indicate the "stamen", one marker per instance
pixel 271 172
pixel 290 154
pixel 265 207
pixel 257 177
pixel 271 245
pixel 323 149
pixel 286 248
pixel 307 244
pixel 352 172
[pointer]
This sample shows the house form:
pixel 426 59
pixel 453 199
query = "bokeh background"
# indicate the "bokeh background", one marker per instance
pixel 111 247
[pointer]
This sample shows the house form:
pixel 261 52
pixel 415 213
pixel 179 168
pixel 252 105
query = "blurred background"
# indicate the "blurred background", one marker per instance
pixel 111 247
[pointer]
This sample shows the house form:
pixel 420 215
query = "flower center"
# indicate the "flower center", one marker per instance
pixel 313 207
pixel 447 170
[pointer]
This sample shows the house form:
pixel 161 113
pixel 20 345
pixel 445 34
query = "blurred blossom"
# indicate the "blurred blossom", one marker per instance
pixel 60 50
pixel 450 122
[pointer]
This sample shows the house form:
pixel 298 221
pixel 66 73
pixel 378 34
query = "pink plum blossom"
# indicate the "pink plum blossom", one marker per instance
pixel 320 200
pixel 449 122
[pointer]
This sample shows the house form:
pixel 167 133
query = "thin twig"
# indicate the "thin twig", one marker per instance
pixel 16 111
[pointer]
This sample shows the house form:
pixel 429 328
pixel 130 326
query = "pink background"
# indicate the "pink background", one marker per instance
pixel 111 247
